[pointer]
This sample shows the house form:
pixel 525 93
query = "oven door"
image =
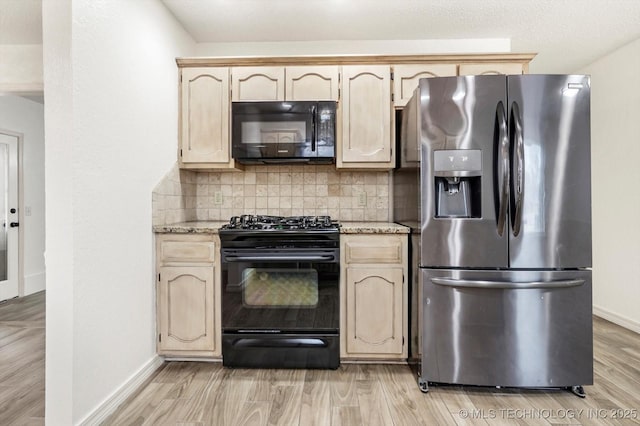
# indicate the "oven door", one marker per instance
pixel 280 309
pixel 280 291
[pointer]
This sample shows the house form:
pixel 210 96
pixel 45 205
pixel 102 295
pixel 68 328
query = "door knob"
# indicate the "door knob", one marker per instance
pixel 14 224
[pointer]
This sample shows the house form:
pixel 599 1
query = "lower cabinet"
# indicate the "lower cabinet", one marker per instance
pixel 188 296
pixel 374 297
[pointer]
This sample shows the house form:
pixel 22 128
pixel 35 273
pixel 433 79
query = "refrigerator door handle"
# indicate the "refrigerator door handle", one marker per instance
pixel 503 177
pixel 450 282
pixel 518 190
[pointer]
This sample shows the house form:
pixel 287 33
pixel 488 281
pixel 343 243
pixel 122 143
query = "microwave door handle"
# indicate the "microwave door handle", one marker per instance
pixel 313 128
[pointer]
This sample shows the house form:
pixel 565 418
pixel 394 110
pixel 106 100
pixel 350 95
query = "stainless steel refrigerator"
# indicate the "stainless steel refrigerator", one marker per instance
pixel 504 229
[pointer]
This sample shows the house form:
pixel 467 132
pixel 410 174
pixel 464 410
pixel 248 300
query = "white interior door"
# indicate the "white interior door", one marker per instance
pixel 8 216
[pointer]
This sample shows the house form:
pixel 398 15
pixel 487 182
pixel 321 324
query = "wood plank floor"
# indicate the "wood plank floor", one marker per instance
pixel 22 354
pixel 198 393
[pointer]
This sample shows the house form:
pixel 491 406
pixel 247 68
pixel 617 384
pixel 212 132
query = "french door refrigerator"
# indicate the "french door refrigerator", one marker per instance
pixel 505 230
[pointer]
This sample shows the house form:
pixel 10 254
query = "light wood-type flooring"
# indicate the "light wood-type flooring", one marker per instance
pixel 198 393
pixel 22 360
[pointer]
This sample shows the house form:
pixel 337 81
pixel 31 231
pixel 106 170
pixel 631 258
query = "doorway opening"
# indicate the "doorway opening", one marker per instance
pixel 10 215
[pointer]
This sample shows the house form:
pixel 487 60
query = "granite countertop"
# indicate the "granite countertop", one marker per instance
pixel 372 228
pixel 211 227
pixel 198 227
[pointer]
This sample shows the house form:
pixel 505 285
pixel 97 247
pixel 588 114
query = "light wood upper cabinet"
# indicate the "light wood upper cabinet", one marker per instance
pixel 365 128
pixel 204 118
pixel 303 83
pixel 492 68
pixel 406 77
pixel 312 83
pixel 188 295
pixel 366 118
pixel 373 319
pixel 257 84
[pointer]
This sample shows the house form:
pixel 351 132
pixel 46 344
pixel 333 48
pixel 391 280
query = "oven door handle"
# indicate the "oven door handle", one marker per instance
pixel 267 258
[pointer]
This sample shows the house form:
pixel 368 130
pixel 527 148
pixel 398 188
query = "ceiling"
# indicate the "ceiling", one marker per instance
pixel 566 34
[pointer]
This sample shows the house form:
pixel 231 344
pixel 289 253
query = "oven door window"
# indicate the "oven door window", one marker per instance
pixel 280 295
pixel 279 288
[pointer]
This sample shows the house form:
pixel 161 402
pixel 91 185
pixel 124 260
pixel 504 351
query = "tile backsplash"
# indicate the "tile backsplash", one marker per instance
pixel 185 195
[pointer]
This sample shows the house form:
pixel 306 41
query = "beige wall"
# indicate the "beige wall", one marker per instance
pixel 615 148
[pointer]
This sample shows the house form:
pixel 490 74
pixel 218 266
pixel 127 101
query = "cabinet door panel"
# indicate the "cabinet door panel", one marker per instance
pixel 186 308
pixel 258 83
pixel 406 77
pixel 374 310
pixel 374 249
pixel 366 114
pixel 204 130
pixel 312 83
pixel 187 251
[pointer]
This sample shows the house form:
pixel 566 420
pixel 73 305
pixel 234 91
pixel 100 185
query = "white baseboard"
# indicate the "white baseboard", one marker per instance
pixel 34 283
pixel 617 319
pixel 110 405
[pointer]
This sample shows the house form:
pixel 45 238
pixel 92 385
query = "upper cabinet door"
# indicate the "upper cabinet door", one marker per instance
pixel 204 115
pixel 366 117
pixel 406 77
pixel 491 69
pixel 257 84
pixel 312 83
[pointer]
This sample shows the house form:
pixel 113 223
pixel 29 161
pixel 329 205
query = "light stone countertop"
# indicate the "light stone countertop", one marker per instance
pixel 197 227
pixel 372 228
pixel 212 227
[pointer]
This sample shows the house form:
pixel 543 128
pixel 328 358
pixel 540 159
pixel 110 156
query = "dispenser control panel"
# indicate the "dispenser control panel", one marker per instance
pixel 463 160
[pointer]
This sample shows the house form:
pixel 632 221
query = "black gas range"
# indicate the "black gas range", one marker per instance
pixel 279 223
pixel 280 292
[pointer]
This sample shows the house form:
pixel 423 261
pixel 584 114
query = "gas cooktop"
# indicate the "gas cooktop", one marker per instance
pixel 290 223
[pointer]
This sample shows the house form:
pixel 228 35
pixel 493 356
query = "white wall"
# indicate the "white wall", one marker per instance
pixel 615 148
pixel 111 124
pixel 356 47
pixel 21 68
pixel 27 117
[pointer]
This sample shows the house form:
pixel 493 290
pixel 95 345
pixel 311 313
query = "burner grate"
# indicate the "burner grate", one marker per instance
pixel 264 222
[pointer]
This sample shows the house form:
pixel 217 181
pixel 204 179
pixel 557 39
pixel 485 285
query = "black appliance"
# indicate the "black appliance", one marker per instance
pixel 283 132
pixel 280 292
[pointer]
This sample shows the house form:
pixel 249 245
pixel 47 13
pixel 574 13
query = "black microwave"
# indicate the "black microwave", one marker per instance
pixel 283 132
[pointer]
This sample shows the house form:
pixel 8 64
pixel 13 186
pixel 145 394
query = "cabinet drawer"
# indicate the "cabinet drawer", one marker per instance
pixel 373 249
pixel 187 251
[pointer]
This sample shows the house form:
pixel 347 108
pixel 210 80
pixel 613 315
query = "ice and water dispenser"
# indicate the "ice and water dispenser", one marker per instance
pixel 457 175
